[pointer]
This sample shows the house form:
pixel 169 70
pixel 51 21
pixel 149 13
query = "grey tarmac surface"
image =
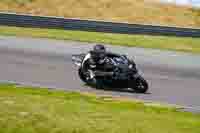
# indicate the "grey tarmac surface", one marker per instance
pixel 174 77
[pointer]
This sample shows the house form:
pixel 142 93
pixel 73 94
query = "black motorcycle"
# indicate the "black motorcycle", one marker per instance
pixel 119 72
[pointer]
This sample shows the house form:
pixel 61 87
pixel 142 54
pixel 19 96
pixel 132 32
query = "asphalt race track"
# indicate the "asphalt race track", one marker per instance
pixel 174 78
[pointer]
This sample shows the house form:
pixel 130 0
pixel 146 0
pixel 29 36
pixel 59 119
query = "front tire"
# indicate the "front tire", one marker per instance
pixel 91 82
pixel 81 75
pixel 141 85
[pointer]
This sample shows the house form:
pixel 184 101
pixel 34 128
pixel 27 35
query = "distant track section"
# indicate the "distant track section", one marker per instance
pixel 22 20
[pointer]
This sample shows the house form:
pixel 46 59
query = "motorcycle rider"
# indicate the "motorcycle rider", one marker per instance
pixel 96 64
pixel 97 59
pixel 94 59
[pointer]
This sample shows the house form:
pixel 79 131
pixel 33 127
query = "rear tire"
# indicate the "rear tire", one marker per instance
pixel 141 85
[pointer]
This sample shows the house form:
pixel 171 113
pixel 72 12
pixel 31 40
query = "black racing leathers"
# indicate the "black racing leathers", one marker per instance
pixel 93 61
pixel 98 61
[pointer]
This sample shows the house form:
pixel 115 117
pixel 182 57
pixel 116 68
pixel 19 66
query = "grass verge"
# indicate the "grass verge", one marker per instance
pixel 35 110
pixel 191 45
pixel 132 11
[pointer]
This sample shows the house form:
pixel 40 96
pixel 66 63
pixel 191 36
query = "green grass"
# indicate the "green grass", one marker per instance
pixel 35 110
pixel 191 45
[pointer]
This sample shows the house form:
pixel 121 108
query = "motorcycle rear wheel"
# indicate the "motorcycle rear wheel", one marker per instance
pixel 141 85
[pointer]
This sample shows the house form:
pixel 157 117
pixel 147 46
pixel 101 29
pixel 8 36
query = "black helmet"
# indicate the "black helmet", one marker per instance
pixel 99 48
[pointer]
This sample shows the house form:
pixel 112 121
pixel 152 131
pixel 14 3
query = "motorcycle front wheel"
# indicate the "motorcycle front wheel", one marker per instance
pixel 91 82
